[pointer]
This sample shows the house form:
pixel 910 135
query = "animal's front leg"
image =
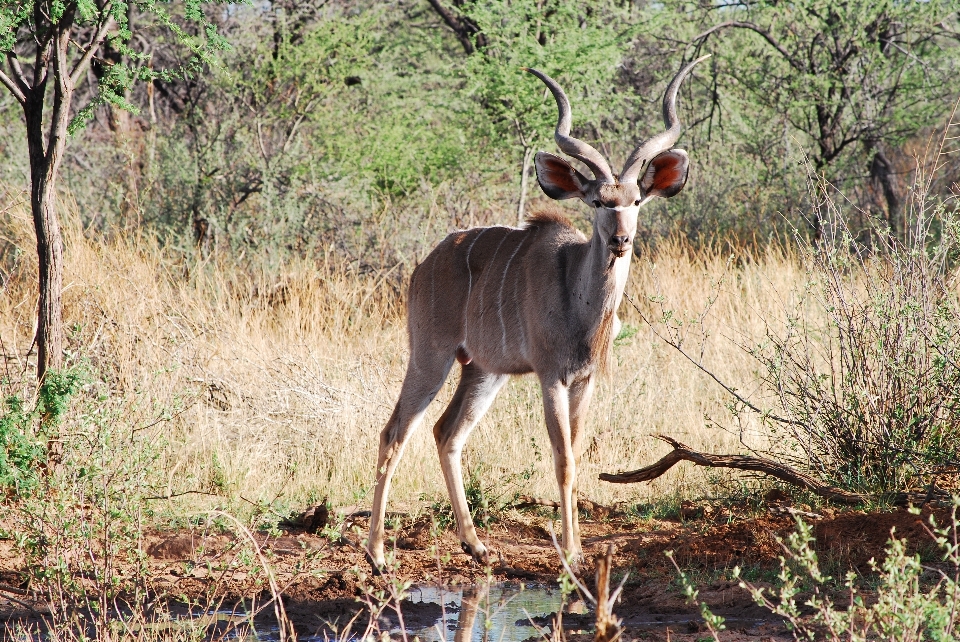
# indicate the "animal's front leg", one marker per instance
pixel 581 392
pixel 556 406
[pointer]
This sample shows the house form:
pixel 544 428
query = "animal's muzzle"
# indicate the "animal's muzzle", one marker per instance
pixel 619 244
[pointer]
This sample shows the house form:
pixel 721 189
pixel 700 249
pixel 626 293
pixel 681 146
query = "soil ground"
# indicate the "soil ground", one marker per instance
pixel 322 578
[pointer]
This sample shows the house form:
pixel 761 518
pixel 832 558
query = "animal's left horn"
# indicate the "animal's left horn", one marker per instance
pixel 569 145
pixel 664 141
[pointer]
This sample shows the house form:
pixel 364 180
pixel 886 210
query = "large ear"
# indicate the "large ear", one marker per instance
pixel 666 174
pixel 558 179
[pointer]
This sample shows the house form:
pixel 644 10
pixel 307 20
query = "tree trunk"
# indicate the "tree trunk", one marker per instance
pixel 882 174
pixel 50 254
pixel 524 182
pixel 49 337
pixel 44 165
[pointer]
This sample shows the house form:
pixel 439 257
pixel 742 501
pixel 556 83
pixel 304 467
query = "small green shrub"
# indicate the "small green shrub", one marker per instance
pixel 21 451
pixel 483 507
pixel 907 606
pixel 908 601
pixel 53 398
pixel 81 537
pixel 488 502
pixel 665 507
pixel 25 433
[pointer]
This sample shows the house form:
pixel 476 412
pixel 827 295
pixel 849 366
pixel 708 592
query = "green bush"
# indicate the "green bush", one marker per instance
pixel 907 601
pixel 81 538
pixel 905 605
pixel 25 434
pixel 22 452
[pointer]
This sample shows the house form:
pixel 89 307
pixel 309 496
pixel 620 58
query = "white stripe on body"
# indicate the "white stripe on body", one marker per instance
pixel 523 331
pixel 493 260
pixel 470 282
pixel 503 326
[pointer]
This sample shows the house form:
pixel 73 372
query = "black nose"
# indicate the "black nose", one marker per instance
pixel 619 241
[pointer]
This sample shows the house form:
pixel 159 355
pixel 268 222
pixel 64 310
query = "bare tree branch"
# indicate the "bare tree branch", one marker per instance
pixel 796 64
pixel 527 501
pixel 62 96
pixel 18 76
pixel 12 86
pixel 61 43
pixel 784 473
pixel 732 391
pixel 80 68
pixel 464 30
pixel 43 38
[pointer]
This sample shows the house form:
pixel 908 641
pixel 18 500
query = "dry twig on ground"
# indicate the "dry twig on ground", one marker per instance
pixel 770 467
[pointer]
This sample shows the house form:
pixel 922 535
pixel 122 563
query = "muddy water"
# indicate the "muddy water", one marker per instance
pixel 500 613
pixel 474 613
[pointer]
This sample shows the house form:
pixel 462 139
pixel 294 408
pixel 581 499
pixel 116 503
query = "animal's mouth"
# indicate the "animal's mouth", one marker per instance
pixel 619 251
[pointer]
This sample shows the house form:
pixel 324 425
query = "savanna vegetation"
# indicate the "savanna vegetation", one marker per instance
pixel 242 191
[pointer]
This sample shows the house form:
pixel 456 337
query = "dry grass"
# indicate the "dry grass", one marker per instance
pixel 279 385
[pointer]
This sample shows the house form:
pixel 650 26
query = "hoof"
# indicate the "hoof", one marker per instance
pixel 376 568
pixel 575 561
pixel 481 555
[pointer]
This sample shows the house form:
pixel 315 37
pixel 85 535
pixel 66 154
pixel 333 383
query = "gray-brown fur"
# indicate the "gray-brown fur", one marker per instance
pixel 506 301
pixel 509 297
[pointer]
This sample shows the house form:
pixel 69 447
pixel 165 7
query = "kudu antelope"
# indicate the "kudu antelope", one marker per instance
pixel 542 298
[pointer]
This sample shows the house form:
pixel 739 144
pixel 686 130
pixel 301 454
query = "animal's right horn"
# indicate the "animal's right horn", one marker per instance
pixel 664 141
pixel 569 145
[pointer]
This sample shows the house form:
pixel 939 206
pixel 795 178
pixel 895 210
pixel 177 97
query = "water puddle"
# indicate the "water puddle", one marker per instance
pixel 500 613
pixel 471 613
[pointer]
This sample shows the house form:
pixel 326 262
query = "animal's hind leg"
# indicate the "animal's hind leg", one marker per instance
pixel 424 377
pixel 475 393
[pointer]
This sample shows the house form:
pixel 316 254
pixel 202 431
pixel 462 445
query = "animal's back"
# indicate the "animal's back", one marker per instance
pixel 476 290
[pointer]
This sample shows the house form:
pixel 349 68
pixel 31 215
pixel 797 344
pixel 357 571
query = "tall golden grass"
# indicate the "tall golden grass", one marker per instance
pixel 275 386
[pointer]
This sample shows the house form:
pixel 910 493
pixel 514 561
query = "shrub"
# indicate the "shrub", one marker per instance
pixel 21 452
pixel 859 368
pixel 908 601
pixel 865 369
pixel 488 503
pixel 904 608
pixel 25 434
pixel 80 539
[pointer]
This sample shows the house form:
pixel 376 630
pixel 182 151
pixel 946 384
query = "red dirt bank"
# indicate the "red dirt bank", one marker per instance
pixel 321 580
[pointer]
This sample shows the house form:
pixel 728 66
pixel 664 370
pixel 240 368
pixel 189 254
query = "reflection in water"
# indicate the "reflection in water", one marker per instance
pixel 472 613
pixel 499 613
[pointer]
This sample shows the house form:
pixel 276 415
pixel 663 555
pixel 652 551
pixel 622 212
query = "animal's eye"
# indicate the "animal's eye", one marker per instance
pixel 636 202
pixel 596 203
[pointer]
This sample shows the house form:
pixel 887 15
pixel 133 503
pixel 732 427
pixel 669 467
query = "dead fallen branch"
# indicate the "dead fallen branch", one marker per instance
pixel 790 510
pixel 775 469
pixel 526 501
